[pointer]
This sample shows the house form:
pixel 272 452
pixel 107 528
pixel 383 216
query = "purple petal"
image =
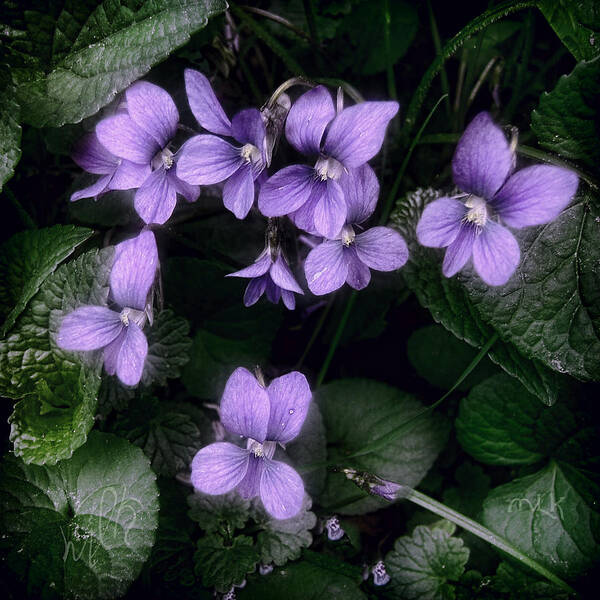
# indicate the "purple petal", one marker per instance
pixel 124 138
pixel 286 191
pixel 535 195
pixel 218 468
pixel 289 299
pixel 358 276
pixel 94 190
pixel 356 134
pixel 155 200
pixel 440 222
pixel 326 267
pixel 89 328
pixel 190 192
pixel 254 290
pixel 483 159
pixel 153 109
pixel 207 159
pixel 496 254
pixel 272 291
pixel 281 490
pixel 308 118
pixel 132 355
pixel 133 270
pixel 238 191
pixel 459 251
pixel 256 269
pixel 304 217
pixel 204 104
pixel 245 406
pixel 361 190
pixel 93 157
pixel 249 487
pixel 248 127
pixel 129 175
pixel 283 277
pixel 331 210
pixel 381 248
pixel 289 396
pixel 111 352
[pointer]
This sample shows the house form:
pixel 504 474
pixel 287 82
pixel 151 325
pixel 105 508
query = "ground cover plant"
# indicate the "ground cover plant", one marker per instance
pixel 299 299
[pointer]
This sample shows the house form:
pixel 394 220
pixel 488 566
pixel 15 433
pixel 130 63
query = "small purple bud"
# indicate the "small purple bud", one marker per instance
pixel 230 595
pixel 380 575
pixel 334 530
pixel 265 569
pixel 387 490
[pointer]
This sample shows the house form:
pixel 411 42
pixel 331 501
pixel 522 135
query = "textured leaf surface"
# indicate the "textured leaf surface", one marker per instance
pixel 222 566
pixel 10 130
pixel 358 411
pixel 577 24
pixel 84 528
pixel 228 511
pixel 500 423
pixel 552 516
pixel 168 348
pixel 27 259
pixel 283 539
pixel 521 584
pixel 76 58
pixel 422 565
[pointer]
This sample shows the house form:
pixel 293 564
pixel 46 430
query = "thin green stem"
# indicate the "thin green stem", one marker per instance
pixel 311 21
pixel 438 50
pixel 336 338
pixel 277 19
pixel 479 23
pixel 485 534
pixel 389 65
pixel 389 437
pixel 25 217
pixel 258 97
pixel 389 201
pixel 315 332
pixel 350 90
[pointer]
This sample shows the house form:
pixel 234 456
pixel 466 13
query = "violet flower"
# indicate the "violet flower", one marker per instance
pixel 335 531
pixel 349 257
pixel 208 159
pixel 380 574
pixel 142 136
pixel 312 196
pixel 270 274
pixel 119 332
pixel 117 173
pixel 266 417
pixel 482 167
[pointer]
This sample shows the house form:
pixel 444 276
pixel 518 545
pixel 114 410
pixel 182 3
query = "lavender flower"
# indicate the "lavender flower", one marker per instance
pixel 380 575
pixel 349 257
pixel 266 417
pixel 142 136
pixel 335 531
pixel 312 196
pixel 208 159
pixel 270 273
pixel 482 167
pixel 119 332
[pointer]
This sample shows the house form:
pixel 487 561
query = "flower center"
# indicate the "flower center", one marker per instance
pixel 348 235
pixel 478 211
pixel 164 158
pixel 137 316
pixel 328 168
pixel 250 153
pixel 264 450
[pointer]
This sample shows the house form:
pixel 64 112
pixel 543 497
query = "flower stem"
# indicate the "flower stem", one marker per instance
pixel 438 49
pixel 315 332
pixel 387 21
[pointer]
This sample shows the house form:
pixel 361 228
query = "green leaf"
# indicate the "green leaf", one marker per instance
pixel 77 59
pixel 365 25
pixel 10 130
pixel 422 565
pixel 517 584
pixel 304 580
pixel 472 489
pixel 283 539
pixel 567 120
pixel 27 259
pixel 563 339
pixel 112 209
pixel 552 516
pixel 83 528
pixel 577 24
pixel 170 434
pixel 113 395
pixel 358 411
pixel 168 348
pixel 500 423
pixel 440 358
pixel 222 566
pixel 214 513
